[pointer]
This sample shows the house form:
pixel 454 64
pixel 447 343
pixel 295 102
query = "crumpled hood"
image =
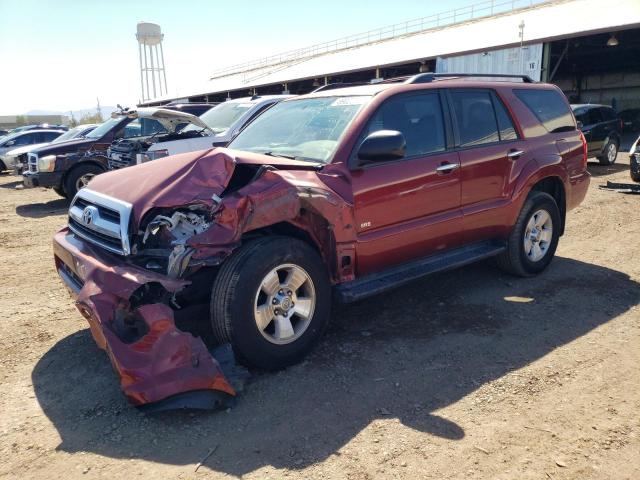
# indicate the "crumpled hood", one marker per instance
pixel 193 177
pixel 178 180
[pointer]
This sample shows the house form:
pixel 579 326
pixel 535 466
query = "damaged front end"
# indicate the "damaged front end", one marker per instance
pixel 142 250
pixel 130 316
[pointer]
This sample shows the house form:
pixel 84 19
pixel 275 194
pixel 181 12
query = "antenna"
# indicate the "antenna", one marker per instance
pixel 149 36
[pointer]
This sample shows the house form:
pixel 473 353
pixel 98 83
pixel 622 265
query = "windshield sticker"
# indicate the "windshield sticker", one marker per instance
pixel 345 101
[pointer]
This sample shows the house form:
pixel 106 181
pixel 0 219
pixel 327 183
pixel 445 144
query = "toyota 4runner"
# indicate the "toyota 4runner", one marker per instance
pixel 346 191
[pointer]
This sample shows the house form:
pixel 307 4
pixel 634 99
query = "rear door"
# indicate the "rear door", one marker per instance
pixel 491 153
pixel 408 208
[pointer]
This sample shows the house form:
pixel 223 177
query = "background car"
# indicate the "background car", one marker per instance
pixel 41 126
pixel 601 127
pixel 23 139
pixel 634 161
pixel 18 158
pixel 214 128
pixel 630 120
pixel 68 166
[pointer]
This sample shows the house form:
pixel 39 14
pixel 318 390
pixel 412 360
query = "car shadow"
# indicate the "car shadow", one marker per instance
pixel 11 185
pixel 597 170
pixel 41 210
pixel 401 355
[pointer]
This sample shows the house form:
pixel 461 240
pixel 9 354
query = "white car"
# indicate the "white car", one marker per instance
pixel 17 158
pixel 214 128
pixel 24 139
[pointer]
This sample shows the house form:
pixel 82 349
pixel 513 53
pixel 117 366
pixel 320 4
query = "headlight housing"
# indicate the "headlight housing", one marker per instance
pixel 47 163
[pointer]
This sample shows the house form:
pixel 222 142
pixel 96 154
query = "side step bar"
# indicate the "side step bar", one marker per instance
pixel 397 276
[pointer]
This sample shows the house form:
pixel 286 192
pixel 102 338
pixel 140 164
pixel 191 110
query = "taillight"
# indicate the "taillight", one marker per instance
pixel 584 150
pixel 621 125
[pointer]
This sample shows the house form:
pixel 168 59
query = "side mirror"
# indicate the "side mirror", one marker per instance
pixel 580 125
pixel 381 146
pixel 10 143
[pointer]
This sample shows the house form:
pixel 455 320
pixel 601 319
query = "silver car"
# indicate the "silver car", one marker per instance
pixel 22 139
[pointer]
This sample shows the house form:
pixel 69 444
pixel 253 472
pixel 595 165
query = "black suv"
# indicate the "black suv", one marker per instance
pixel 601 127
pixel 68 166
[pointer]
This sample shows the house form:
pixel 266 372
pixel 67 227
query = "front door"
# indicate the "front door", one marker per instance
pixel 408 208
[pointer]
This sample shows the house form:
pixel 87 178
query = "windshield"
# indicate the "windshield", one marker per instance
pixel 104 128
pixel 306 129
pixel 222 116
pixel 71 133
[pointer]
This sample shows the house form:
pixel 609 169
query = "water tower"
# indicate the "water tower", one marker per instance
pixel 152 70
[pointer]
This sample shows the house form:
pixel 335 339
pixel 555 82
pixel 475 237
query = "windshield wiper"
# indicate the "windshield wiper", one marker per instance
pixel 281 155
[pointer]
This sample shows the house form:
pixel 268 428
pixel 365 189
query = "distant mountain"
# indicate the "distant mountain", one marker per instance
pixel 106 112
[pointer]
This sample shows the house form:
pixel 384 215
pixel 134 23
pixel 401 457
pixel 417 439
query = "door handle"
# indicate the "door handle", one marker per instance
pixel 513 154
pixel 447 167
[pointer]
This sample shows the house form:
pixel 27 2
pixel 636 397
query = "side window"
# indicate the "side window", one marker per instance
pixel 549 107
pixel 608 114
pixel 505 125
pixel 26 139
pixel 595 116
pixel 133 129
pixel 582 115
pixel 475 118
pixel 417 117
pixel 149 126
pixel 49 136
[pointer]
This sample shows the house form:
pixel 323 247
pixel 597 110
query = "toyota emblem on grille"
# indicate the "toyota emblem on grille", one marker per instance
pixel 89 214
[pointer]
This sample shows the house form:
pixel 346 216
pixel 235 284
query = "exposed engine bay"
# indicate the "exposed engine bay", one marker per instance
pixel 126 152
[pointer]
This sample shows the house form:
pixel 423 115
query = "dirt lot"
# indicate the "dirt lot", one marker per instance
pixel 469 374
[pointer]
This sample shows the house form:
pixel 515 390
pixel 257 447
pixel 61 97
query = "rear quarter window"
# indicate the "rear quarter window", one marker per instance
pixel 549 107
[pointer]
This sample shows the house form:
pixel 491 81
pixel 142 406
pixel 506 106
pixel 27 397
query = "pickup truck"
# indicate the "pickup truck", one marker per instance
pixel 345 192
pixel 67 167
pixel 187 133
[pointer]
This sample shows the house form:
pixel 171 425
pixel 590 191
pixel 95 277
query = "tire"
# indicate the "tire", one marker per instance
pixel 238 294
pixel 516 260
pixel 75 176
pixel 3 167
pixel 634 170
pixel 609 153
pixel 60 191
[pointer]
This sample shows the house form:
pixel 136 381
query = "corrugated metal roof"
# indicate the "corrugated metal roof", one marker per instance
pixel 548 21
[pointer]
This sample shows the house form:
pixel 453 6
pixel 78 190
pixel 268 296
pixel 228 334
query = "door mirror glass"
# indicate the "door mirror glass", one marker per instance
pixel 382 146
pixel 580 125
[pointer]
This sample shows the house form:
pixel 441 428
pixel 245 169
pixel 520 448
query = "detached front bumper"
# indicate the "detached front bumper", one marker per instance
pixel 42 179
pixel 154 359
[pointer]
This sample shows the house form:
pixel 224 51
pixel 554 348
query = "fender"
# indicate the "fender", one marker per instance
pixel 541 167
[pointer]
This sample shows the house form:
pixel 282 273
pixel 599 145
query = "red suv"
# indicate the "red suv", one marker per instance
pixel 351 191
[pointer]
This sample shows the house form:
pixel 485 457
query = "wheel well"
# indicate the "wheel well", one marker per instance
pixel 78 165
pixel 285 229
pixel 554 187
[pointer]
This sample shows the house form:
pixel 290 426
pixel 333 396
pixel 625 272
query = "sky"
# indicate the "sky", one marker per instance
pixel 63 54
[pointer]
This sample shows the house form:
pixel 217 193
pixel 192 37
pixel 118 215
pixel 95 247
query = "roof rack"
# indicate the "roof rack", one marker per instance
pixel 430 77
pixel 333 86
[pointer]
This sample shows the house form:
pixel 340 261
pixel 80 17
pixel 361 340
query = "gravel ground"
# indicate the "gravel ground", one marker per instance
pixel 468 374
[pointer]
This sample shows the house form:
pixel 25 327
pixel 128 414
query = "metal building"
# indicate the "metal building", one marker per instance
pixel 588 47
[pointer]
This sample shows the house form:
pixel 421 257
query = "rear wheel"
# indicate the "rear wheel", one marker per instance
pixel 271 300
pixel 634 171
pixel 79 177
pixel 609 154
pixel 534 238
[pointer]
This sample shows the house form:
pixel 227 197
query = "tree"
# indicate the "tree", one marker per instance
pixel 90 118
pixel 21 120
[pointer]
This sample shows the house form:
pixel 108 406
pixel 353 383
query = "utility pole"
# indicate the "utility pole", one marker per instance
pixel 99 110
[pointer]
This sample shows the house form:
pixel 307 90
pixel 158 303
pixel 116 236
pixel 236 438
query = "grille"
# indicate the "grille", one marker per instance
pixel 101 220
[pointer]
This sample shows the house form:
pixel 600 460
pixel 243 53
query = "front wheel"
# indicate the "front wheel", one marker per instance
pixel 610 153
pixel 271 300
pixel 80 177
pixel 534 238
